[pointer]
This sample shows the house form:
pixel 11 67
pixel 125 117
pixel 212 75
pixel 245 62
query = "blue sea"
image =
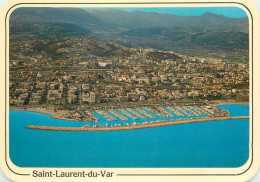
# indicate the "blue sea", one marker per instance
pixel 207 144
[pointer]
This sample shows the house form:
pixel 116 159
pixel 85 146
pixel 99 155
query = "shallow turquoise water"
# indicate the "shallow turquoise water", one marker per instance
pixel 206 144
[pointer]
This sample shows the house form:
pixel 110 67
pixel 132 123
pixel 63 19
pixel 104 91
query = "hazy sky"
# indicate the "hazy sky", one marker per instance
pixel 232 12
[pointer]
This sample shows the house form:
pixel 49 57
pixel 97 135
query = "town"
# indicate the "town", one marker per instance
pixel 86 73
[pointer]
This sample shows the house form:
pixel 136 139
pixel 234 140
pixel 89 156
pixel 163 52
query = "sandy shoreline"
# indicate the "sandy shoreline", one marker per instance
pixel 41 110
pixel 134 127
pixel 54 115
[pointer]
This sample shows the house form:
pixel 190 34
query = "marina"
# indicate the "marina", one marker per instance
pixel 153 110
pixel 137 117
pixel 145 113
pixel 91 115
pixel 190 110
pixel 164 112
pixel 136 113
pixel 148 117
pixel 208 110
pixel 128 114
pixel 175 111
pixel 183 111
pixel 197 109
pixel 120 116
pixel 106 115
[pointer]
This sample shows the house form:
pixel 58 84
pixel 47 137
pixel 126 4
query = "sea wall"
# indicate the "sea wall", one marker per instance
pixel 134 127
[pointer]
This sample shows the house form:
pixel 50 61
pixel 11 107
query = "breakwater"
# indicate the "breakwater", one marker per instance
pixel 135 126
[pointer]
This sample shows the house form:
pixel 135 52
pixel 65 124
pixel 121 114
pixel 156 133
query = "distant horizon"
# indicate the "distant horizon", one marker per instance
pixel 230 12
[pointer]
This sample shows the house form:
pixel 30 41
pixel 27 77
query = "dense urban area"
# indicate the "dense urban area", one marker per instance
pixel 93 72
pixel 74 69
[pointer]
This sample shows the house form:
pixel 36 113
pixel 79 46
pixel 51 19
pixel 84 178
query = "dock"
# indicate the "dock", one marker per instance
pixel 145 113
pixel 106 115
pixel 91 116
pixel 183 111
pixel 197 109
pixel 207 110
pixel 128 114
pixel 153 110
pixel 191 111
pixel 175 111
pixel 136 113
pixel 117 114
pixel 164 112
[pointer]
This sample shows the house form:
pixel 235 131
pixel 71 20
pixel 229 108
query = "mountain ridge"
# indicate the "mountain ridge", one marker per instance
pixel 141 19
pixel 208 34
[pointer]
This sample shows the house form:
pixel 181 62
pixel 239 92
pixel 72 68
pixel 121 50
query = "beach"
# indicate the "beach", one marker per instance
pixel 42 110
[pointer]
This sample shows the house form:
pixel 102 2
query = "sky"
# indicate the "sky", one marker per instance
pixel 232 12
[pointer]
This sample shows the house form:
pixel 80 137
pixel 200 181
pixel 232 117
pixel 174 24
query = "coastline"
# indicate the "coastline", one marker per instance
pixel 218 103
pixel 41 110
pixel 134 127
pixel 62 114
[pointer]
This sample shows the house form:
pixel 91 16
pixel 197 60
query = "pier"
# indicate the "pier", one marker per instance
pixel 145 113
pixel 106 115
pixel 191 111
pixel 197 109
pixel 91 116
pixel 208 110
pixel 117 114
pixel 153 110
pixel 128 114
pixel 175 111
pixel 164 112
pixel 77 115
pixel 183 111
pixel 136 113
